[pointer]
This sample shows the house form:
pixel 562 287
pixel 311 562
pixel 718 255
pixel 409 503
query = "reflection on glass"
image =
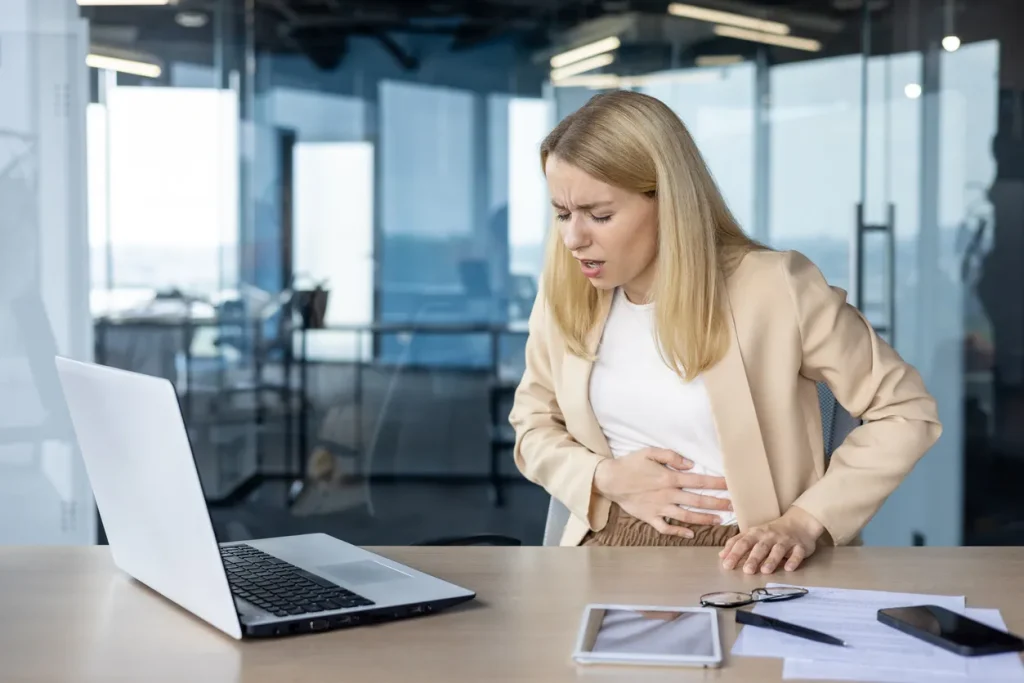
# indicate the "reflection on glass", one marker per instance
pixel 44 496
pixel 626 631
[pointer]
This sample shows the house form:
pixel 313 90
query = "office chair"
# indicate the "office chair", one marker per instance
pixel 836 424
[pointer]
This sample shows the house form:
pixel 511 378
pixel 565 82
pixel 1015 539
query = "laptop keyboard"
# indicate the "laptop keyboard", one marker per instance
pixel 282 588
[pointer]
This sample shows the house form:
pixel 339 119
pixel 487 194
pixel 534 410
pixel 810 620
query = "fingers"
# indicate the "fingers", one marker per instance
pixel 758 554
pixel 796 557
pixel 762 553
pixel 663 527
pixel 682 515
pixel 686 480
pixel 775 558
pixel 740 547
pixel 697 500
pixel 669 458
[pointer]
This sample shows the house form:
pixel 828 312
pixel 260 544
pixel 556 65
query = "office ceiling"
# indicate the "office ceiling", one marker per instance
pixel 320 28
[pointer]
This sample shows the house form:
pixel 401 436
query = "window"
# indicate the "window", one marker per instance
pixel 333 238
pixel 169 158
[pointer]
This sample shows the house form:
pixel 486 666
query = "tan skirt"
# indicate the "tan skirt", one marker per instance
pixel 623 529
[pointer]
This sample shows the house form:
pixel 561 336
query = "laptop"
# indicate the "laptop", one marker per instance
pixel 144 478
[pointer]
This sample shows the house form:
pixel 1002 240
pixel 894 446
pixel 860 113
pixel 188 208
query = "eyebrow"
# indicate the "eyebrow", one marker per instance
pixel 592 205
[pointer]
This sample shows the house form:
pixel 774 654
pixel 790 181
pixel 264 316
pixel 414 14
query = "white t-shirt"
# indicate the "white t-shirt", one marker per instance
pixel 641 403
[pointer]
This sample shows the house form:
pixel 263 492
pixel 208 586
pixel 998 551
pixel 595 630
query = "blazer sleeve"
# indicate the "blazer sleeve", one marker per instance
pixel 545 452
pixel 872 382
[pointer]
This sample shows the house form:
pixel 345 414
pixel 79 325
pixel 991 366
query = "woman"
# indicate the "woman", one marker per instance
pixel 669 395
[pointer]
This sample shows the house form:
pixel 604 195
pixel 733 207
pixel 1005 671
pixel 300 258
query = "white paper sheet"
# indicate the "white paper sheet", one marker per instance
pixel 1006 668
pixel 851 615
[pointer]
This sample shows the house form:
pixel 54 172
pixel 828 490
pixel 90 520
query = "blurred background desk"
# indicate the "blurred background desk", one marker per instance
pixel 71 617
pixel 265 406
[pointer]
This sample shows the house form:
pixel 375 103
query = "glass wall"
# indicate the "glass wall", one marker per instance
pixel 330 239
pixel 44 495
pixel 413 199
pixel 884 154
pixel 978 94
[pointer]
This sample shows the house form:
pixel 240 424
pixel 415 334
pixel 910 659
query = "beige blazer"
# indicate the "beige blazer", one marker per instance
pixel 790 330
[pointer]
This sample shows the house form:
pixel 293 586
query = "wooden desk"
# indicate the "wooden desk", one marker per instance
pixel 66 614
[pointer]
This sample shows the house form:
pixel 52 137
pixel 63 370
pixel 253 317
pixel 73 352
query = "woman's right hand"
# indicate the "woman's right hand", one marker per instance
pixel 643 485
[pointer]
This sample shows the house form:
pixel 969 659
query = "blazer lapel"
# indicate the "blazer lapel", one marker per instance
pixel 743 453
pixel 576 386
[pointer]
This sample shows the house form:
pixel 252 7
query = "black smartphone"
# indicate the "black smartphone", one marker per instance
pixel 950 631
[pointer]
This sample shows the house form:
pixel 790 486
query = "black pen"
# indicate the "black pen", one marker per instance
pixel 751 619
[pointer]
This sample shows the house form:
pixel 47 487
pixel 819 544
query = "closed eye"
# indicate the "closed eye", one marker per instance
pixel 602 219
pixel 563 216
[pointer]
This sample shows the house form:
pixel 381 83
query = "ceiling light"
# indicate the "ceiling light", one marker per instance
pixel 125 3
pixel 584 51
pixel 951 42
pixel 128 66
pixel 613 81
pixel 912 90
pixel 715 16
pixel 191 19
pixel 593 81
pixel 807 44
pixel 718 60
pixel 581 66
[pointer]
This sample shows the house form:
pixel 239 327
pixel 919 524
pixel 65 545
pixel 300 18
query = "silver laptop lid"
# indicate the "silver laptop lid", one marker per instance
pixel 140 465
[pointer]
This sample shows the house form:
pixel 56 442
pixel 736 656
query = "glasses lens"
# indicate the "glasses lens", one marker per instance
pixel 779 593
pixel 724 599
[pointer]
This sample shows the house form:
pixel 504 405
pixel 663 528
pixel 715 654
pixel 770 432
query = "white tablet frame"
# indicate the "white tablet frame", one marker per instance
pixel 583 656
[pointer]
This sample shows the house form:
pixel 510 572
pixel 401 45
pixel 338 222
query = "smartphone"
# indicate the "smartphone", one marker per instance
pixel 950 631
pixel 649 635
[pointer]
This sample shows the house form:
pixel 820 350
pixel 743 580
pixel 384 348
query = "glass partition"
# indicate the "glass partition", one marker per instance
pixel 331 245
pixel 45 497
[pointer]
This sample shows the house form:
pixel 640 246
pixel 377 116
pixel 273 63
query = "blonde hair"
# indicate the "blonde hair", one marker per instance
pixel 635 142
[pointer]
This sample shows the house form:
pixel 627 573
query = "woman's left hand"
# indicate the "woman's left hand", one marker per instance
pixel 790 539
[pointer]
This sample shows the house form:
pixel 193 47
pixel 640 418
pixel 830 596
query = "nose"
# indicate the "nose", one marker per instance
pixel 574 235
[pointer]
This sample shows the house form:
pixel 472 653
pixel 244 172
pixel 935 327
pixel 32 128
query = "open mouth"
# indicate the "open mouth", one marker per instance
pixel 591 269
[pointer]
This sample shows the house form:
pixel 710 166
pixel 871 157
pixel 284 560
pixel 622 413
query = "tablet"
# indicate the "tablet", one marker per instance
pixel 649 635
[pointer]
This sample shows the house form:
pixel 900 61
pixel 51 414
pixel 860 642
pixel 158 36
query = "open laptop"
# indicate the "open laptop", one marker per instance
pixel 147 488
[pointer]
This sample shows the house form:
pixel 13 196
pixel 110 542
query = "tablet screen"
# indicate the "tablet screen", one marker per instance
pixel 617 631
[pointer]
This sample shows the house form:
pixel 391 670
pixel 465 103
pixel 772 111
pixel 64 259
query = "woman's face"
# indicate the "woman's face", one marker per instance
pixel 612 232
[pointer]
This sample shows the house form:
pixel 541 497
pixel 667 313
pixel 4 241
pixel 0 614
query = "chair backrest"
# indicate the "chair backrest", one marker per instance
pixel 558 517
pixel 836 424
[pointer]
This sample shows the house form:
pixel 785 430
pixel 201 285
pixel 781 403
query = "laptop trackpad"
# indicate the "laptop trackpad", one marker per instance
pixel 361 573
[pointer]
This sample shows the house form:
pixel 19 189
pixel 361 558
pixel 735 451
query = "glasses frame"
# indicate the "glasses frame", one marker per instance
pixel 754 597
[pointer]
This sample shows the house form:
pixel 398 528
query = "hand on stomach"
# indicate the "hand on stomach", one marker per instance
pixel 702 504
pixel 655 485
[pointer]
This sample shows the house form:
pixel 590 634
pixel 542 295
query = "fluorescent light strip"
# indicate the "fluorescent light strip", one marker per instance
pixel 715 16
pixel 613 81
pixel 589 50
pixel 807 44
pixel 581 66
pixel 125 3
pixel 127 66
pixel 718 60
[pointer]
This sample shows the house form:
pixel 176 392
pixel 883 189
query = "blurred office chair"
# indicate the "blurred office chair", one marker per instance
pixel 836 424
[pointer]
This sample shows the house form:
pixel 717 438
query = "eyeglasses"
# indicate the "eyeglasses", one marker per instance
pixel 739 599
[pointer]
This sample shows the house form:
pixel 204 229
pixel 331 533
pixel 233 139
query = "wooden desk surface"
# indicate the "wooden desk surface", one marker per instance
pixel 67 614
